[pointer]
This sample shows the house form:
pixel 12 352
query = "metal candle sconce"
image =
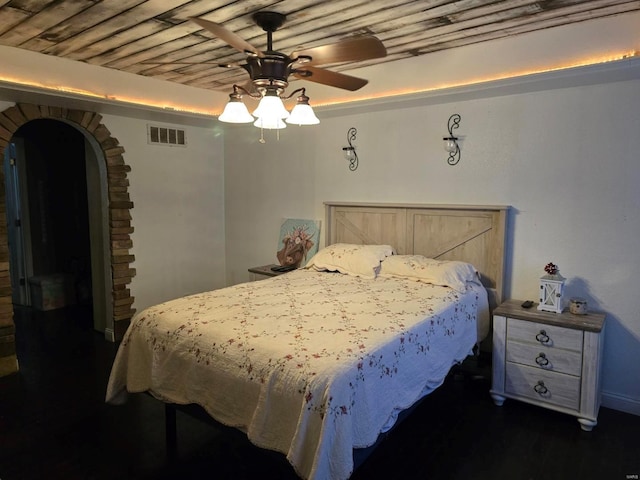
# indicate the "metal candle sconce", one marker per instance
pixel 350 151
pixel 451 142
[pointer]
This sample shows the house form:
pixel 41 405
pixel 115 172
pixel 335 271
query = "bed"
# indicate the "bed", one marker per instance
pixel 317 363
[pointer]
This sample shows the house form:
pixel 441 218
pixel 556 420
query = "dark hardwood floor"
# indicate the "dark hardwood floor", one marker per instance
pixel 54 424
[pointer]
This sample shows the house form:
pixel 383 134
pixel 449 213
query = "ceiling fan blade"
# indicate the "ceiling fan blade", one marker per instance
pixel 347 50
pixel 333 79
pixel 228 36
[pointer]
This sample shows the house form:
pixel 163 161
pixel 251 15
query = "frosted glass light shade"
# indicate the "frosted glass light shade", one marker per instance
pixel 271 108
pixel 235 112
pixel 349 153
pixel 450 145
pixel 303 114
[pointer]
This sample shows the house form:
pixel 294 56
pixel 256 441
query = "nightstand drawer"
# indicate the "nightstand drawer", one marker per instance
pixel 544 335
pixel 550 359
pixel 549 387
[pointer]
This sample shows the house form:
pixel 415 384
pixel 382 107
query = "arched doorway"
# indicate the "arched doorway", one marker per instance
pixel 110 216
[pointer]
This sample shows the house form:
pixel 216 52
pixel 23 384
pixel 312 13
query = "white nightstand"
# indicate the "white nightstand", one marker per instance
pixel 548 359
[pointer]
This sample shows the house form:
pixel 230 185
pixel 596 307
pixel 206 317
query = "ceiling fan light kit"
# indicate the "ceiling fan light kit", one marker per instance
pixel 270 108
pixel 269 72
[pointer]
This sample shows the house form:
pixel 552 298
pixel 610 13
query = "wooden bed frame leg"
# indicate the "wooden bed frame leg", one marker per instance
pixel 171 432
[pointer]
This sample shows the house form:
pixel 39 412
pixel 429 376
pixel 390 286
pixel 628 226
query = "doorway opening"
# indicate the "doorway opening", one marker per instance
pixel 48 217
pixel 101 276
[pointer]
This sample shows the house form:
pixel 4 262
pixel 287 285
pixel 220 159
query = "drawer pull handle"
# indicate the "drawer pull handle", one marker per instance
pixel 542 337
pixel 540 388
pixel 542 360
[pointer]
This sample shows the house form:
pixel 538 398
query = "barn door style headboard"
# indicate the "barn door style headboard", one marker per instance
pixel 471 233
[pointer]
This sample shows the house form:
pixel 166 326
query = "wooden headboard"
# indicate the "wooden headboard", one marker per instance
pixel 469 233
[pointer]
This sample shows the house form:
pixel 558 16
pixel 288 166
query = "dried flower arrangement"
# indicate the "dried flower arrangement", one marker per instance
pixel 551 268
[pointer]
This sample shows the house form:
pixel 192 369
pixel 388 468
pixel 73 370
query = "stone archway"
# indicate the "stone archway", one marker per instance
pixel 119 227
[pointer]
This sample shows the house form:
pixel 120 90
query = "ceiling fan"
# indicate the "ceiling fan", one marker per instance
pixel 269 73
pixel 271 69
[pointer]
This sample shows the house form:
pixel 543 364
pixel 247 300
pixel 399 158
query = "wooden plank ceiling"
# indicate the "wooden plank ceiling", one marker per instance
pixel 155 38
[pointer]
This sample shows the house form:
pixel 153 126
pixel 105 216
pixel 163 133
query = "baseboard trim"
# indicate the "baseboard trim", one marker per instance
pixel 109 335
pixel 621 403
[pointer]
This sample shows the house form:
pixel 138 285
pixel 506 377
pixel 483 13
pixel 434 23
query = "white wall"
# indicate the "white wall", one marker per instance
pixel 266 183
pixel 566 160
pixel 178 214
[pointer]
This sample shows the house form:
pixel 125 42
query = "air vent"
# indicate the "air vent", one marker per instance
pixel 172 137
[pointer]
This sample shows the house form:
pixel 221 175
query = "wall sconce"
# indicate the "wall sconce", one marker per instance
pixel 451 142
pixel 350 151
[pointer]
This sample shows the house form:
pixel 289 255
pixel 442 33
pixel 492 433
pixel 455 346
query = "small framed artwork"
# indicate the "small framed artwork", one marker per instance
pixel 298 241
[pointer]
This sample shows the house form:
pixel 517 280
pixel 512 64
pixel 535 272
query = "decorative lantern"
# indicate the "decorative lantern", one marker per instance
pixel 551 286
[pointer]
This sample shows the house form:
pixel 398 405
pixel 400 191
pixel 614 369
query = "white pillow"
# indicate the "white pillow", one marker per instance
pixel 357 260
pixel 447 273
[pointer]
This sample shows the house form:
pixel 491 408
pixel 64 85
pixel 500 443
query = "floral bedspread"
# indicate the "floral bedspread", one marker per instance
pixel 311 364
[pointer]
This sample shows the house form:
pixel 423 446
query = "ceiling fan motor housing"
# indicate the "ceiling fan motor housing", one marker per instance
pixel 271 70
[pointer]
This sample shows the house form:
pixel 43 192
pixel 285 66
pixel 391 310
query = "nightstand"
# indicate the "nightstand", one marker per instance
pixel 548 359
pixel 260 273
